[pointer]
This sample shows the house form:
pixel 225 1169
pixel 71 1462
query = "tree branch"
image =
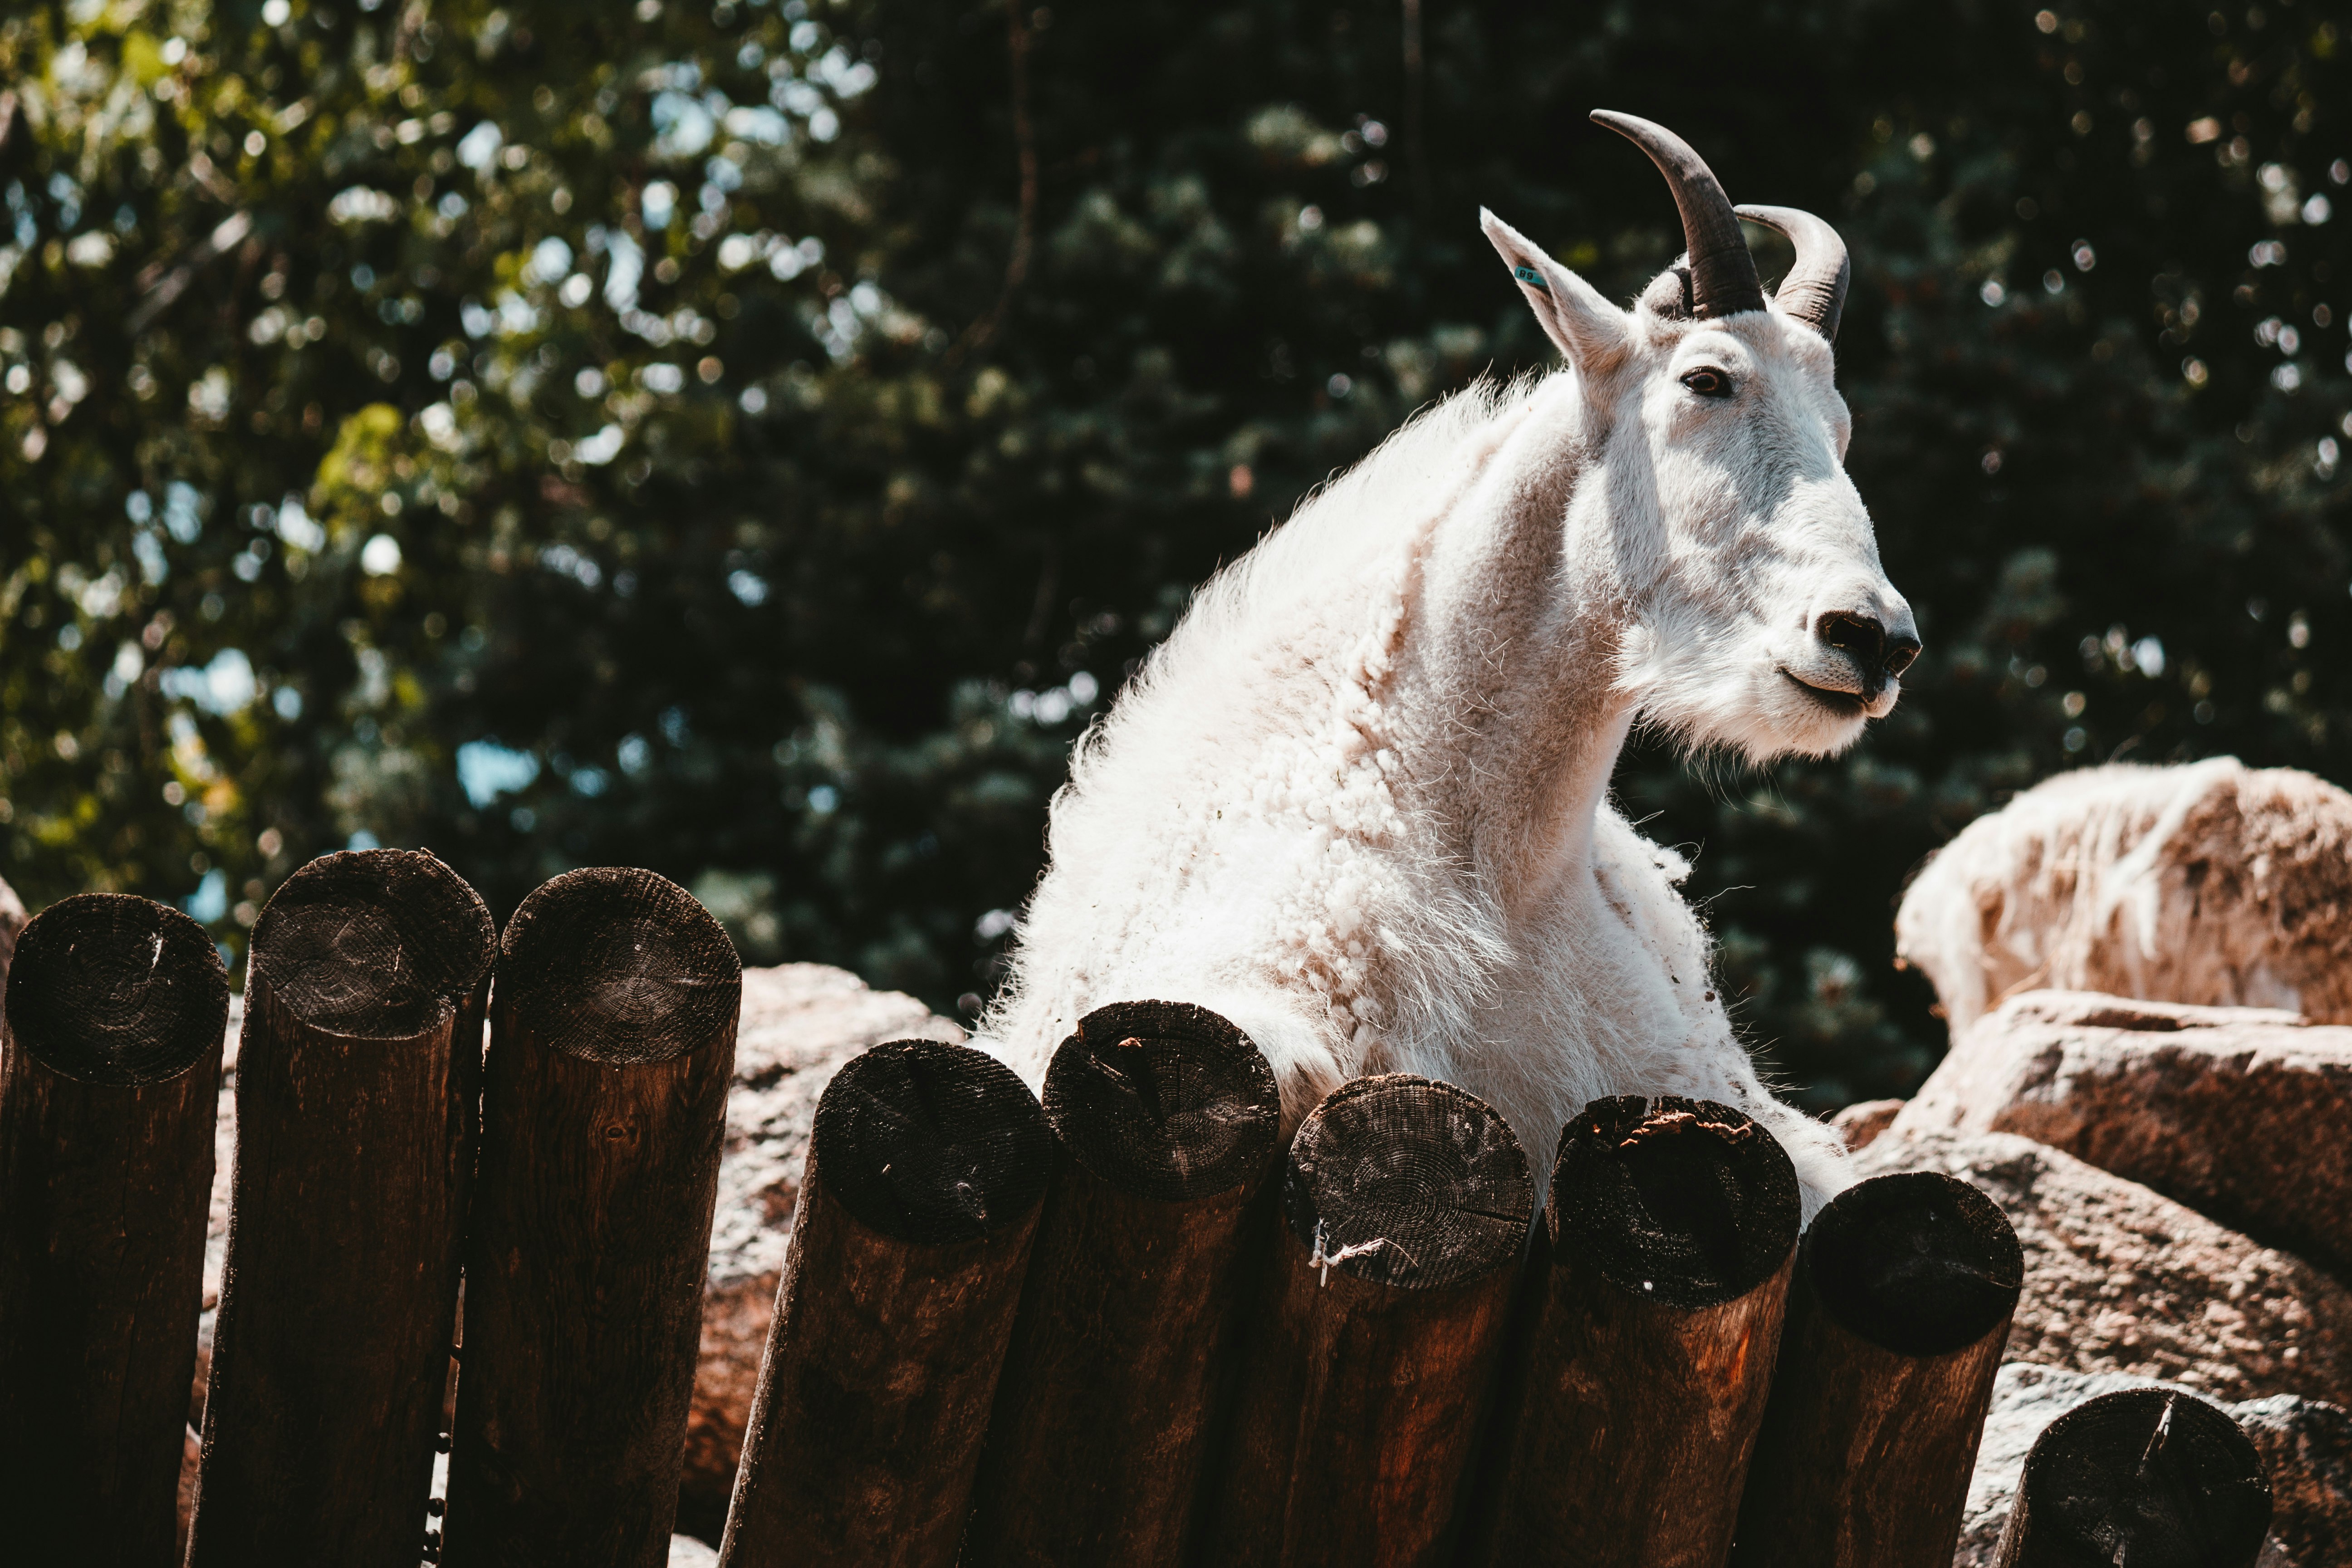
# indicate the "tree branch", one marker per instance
pixel 1024 138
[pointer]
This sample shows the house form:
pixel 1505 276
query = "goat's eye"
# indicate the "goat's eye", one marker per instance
pixel 1708 382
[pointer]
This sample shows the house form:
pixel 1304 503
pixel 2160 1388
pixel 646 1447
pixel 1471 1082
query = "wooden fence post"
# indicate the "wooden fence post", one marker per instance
pixel 1904 1288
pixel 2143 1477
pixel 109 1070
pixel 1404 1212
pixel 355 1086
pixel 926 1166
pixel 603 1109
pixel 1673 1227
pixel 1167 1116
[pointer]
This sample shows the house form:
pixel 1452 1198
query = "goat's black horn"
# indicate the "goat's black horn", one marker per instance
pixel 1814 290
pixel 1722 273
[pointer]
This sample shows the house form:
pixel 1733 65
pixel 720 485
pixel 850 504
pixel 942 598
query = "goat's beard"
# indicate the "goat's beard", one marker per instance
pixel 1734 699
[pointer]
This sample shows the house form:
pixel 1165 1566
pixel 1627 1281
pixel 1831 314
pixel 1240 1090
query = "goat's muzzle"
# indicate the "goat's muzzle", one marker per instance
pixel 1877 655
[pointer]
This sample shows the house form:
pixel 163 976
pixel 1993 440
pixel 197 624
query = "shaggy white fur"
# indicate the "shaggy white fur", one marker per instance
pixel 1356 802
pixel 2212 883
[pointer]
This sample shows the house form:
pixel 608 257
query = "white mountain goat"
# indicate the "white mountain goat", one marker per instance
pixel 1357 801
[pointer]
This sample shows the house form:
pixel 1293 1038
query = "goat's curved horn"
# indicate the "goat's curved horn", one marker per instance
pixel 1723 275
pixel 1814 290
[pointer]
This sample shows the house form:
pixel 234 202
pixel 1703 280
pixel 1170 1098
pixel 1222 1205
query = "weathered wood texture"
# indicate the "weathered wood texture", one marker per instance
pixel 927 1169
pixel 356 1081
pixel 1406 1206
pixel 1904 1291
pixel 1167 1116
pixel 2144 1477
pixel 110 1068
pixel 1672 1232
pixel 603 1106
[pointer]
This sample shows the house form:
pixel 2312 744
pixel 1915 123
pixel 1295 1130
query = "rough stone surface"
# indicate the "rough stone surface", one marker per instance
pixel 216 1220
pixel 191 1448
pixel 2305 1445
pixel 2210 883
pixel 12 920
pixel 2121 1278
pixel 1861 1123
pixel 800 1023
pixel 2238 1112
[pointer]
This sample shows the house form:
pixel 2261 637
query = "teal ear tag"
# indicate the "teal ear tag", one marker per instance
pixel 1531 278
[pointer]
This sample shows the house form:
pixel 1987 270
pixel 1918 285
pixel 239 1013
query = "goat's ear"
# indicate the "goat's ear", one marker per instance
pixel 1593 332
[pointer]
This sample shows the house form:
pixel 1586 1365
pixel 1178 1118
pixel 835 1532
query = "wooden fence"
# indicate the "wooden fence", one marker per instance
pixel 1122 1326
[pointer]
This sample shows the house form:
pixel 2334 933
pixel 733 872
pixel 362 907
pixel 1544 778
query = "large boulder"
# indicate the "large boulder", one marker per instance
pixel 2238 1112
pixel 2119 1278
pixel 2305 1446
pixel 2211 883
pixel 1862 1123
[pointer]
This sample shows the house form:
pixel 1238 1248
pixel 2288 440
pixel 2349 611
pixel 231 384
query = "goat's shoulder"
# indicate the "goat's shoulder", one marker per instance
pixel 1643 877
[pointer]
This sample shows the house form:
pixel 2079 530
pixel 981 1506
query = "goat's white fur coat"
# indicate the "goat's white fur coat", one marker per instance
pixel 1357 801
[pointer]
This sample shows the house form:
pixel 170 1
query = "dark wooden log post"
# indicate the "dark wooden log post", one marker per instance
pixel 927 1169
pixel 356 1081
pixel 1897 1316
pixel 1168 1115
pixel 109 1071
pixel 1672 1228
pixel 1404 1212
pixel 2145 1477
pixel 603 1109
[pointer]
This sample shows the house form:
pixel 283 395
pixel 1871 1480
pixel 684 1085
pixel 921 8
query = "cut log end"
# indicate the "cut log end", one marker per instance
pixel 1404 1181
pixel 2145 1477
pixel 619 966
pixel 372 942
pixel 1688 1202
pixel 1917 1262
pixel 1164 1099
pixel 933 1143
pixel 107 988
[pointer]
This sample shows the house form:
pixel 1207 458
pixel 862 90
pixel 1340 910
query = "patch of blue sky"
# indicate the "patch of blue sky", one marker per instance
pixel 209 902
pixel 222 686
pixel 487 770
pixel 683 125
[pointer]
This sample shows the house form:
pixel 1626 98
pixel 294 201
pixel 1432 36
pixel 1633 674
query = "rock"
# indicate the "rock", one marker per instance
pixel 800 1022
pixel 1861 1123
pixel 12 920
pixel 2119 1278
pixel 217 1218
pixel 2305 1445
pixel 2212 883
pixel 686 1551
pixel 190 1449
pixel 2237 1113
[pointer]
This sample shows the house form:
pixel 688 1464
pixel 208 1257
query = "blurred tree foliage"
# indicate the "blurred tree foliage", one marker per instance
pixel 750 439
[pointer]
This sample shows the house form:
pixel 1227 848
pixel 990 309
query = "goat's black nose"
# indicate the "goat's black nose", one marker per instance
pixel 1862 638
pixel 1859 637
